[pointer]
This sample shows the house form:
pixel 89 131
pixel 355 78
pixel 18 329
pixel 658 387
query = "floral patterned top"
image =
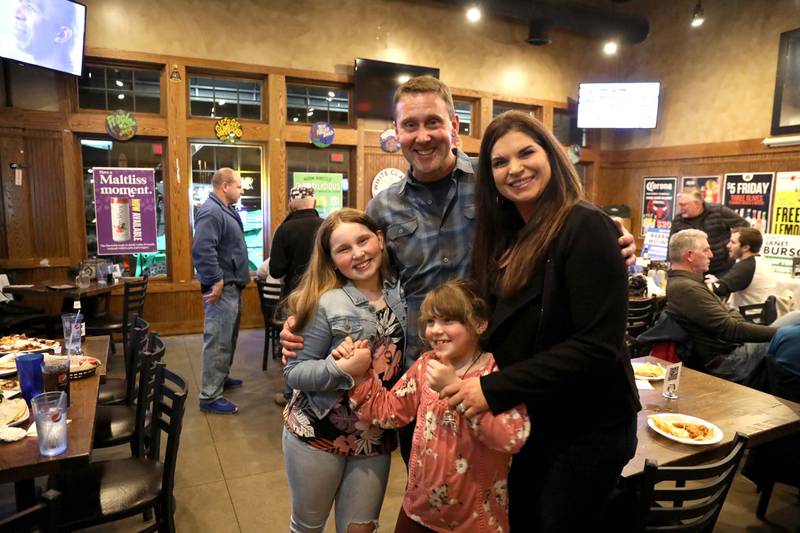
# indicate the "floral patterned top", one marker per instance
pixel 340 431
pixel 457 479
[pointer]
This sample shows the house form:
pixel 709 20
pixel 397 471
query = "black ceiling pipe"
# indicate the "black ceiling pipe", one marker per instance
pixel 543 15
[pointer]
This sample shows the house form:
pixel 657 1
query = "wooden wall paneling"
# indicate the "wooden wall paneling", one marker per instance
pixel 203 128
pixel 362 192
pixel 95 122
pixel 16 198
pixel 73 190
pixel 11 117
pixel 376 160
pixel 278 165
pixel 484 115
pixel 300 134
pixel 178 173
pixel 48 197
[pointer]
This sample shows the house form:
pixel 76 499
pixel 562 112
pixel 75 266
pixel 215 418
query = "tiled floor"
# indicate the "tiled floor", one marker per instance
pixel 230 474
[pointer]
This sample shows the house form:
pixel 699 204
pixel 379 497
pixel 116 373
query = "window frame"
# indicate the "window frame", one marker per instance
pixel 322 85
pixel 472 105
pixel 74 87
pixel 538 109
pixel 261 79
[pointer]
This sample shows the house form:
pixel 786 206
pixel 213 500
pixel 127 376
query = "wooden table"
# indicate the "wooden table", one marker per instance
pixel 762 417
pixel 42 288
pixel 20 461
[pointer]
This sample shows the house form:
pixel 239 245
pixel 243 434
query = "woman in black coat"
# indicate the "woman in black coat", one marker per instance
pixel 549 263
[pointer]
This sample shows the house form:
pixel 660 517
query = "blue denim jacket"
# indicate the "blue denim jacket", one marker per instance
pixel 341 313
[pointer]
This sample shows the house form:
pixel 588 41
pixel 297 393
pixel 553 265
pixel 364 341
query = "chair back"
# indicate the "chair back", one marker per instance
pixel 764 313
pixel 133 302
pixel 269 295
pixel 693 508
pixel 41 517
pixel 169 405
pixel 641 314
pixel 137 343
pixel 149 357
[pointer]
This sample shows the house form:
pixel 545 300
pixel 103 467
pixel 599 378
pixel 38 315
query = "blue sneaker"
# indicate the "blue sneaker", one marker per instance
pixel 231 383
pixel 220 406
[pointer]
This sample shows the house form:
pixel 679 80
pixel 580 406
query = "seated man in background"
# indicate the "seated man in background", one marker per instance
pixel 724 343
pixel 750 280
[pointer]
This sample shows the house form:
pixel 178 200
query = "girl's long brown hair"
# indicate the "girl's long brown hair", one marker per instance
pixel 321 275
pixel 502 238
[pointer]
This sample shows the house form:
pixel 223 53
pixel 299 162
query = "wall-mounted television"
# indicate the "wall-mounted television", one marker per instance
pixel 376 82
pixel 45 33
pixel 618 105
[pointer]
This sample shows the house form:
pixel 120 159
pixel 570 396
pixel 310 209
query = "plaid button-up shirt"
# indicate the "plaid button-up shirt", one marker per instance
pixel 429 244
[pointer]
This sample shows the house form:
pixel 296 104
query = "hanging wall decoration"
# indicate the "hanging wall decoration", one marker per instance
pixel 228 130
pixel 750 196
pixel 658 202
pixel 389 140
pixel 121 125
pixel 321 134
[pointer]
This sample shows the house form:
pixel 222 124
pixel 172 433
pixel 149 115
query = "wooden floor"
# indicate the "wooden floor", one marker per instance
pixel 230 474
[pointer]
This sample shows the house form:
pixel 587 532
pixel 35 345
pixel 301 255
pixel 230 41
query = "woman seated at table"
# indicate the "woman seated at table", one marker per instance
pixel 549 263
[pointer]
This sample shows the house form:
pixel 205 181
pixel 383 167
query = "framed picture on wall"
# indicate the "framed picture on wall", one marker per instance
pixel 786 105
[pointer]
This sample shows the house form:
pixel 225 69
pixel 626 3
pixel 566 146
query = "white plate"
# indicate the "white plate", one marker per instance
pixel 676 417
pixel 647 378
pixel 4 373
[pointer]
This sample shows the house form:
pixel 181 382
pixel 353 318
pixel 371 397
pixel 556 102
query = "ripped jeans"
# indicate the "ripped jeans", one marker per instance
pixel 318 480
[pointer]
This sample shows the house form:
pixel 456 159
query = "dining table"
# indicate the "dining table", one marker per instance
pixel 731 407
pixel 21 462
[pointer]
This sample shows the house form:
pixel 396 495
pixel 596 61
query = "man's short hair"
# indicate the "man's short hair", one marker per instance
pixel 223 175
pixel 425 84
pixel 750 237
pixel 694 193
pixel 683 241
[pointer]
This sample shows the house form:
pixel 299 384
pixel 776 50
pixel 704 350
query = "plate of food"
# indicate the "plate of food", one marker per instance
pixel 13 412
pixel 16 344
pixel 9 387
pixel 685 428
pixel 648 371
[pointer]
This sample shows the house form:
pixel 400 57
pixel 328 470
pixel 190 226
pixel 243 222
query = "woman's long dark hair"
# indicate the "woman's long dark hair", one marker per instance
pixel 502 238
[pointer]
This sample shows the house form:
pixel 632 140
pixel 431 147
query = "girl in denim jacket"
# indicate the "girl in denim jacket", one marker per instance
pixel 331 457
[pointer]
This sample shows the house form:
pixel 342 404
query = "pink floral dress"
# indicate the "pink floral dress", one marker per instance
pixel 457 479
pixel 341 432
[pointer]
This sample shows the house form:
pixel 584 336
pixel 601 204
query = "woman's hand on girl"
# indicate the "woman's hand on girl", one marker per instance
pixel 290 342
pixel 466 397
pixel 344 350
pixel 439 375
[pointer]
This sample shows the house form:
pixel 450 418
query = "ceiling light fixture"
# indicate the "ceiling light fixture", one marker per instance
pixel 698 17
pixel 473 14
pixel 610 48
pixel 331 94
pixel 119 83
pixel 121 96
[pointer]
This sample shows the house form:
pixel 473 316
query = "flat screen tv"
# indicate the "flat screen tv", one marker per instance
pixel 45 33
pixel 376 82
pixel 618 105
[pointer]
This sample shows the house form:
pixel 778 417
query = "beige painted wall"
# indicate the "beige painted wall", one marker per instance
pixel 328 35
pixel 717 80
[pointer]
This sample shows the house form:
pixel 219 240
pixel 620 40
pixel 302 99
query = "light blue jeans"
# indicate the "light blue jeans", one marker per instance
pixel 317 479
pixel 220 333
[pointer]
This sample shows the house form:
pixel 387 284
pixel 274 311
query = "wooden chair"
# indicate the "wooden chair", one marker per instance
pixel 764 313
pixel 120 424
pixel 117 391
pixel 132 304
pixel 269 294
pixel 41 517
pixel 688 509
pixel 111 490
pixel 641 314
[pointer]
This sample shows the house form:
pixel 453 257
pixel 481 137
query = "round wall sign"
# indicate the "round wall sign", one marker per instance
pixel 321 134
pixel 228 130
pixel 389 140
pixel 384 178
pixel 121 125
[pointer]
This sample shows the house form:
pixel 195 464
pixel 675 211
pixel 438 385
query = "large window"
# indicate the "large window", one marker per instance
pixel 246 160
pixel 561 125
pixel 464 112
pixel 502 107
pixel 329 162
pixel 312 103
pixel 104 152
pixel 223 97
pixel 111 88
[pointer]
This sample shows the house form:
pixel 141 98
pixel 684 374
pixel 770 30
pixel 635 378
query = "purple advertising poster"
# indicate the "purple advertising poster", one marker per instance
pixel 125 210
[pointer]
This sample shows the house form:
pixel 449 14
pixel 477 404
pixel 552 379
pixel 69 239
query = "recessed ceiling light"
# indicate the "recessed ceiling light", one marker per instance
pixel 121 96
pixel 474 14
pixel 331 94
pixel 119 83
pixel 610 48
pixel 698 17
pixel 295 119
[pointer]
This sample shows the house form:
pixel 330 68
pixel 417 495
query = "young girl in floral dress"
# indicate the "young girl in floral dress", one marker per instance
pixel 459 465
pixel 331 457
